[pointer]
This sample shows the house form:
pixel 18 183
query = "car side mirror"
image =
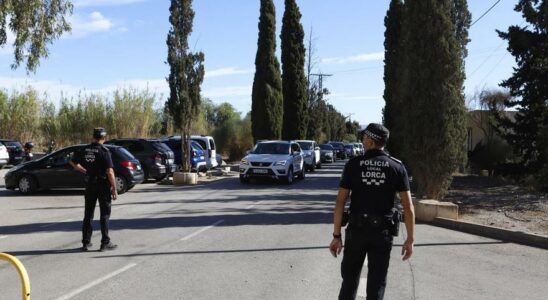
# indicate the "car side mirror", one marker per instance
pixel 317 148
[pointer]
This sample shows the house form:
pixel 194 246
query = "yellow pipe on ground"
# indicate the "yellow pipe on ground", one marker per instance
pixel 22 273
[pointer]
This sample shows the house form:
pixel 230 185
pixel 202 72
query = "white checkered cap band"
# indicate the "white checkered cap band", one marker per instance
pixel 372 135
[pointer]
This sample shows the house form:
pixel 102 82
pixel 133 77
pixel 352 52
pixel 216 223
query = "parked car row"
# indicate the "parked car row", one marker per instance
pixel 135 160
pixel 14 150
pixel 54 171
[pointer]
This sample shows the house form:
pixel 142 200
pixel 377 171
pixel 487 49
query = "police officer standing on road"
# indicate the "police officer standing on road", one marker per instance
pixel 96 163
pixel 374 179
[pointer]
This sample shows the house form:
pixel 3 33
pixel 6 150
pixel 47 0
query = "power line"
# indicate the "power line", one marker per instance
pixel 487 11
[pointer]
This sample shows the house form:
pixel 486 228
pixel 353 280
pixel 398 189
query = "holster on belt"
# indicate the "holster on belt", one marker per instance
pixel 390 221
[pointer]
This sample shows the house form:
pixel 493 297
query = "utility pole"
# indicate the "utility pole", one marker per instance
pixel 320 79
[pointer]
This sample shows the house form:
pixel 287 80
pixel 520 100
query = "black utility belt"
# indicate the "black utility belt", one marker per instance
pixel 366 220
pixel 390 222
pixel 95 179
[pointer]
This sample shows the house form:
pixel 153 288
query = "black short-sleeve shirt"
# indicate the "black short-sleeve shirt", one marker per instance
pixel 374 179
pixel 95 158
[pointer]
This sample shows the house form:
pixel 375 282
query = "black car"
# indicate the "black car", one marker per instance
pixel 338 149
pixel 157 160
pixel 54 171
pixel 15 151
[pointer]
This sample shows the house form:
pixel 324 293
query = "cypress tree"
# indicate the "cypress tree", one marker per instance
pixel 186 73
pixel 528 85
pixel 393 119
pixel 266 98
pixel 433 100
pixel 293 78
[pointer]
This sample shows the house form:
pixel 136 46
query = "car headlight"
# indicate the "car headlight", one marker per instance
pixel 244 161
pixel 281 163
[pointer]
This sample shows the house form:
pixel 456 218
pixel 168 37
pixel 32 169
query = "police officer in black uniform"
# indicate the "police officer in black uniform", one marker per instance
pixel 373 180
pixel 96 163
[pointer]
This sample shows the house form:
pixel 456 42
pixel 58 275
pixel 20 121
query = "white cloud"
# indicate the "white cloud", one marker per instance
pixel 87 3
pixel 92 23
pixel 355 58
pixel 337 97
pixel 227 71
pixel 8 46
pixel 228 91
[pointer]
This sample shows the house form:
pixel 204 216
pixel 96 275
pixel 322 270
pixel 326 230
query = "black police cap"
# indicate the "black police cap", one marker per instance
pixel 99 133
pixel 376 132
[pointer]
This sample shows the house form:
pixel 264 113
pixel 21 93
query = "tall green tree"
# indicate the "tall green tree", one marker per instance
pixel 35 24
pixel 393 118
pixel 528 85
pixel 295 88
pixel 432 100
pixel 186 73
pixel 266 98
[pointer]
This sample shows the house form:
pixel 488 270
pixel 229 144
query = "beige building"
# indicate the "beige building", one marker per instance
pixel 480 127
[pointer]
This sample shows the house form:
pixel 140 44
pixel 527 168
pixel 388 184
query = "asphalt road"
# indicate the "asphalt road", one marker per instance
pixel 224 240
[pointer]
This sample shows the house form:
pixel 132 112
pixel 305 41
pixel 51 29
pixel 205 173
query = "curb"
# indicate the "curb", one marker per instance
pixel 519 237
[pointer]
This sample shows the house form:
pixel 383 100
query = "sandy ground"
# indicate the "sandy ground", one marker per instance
pixel 494 202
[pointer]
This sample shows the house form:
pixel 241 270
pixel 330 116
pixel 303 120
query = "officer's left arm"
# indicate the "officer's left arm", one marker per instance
pixel 75 162
pixel 336 244
pixel 339 209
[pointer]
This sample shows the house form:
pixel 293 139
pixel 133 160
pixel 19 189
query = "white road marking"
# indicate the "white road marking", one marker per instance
pixel 51 224
pixel 3 236
pixel 362 288
pixel 253 205
pixel 188 237
pixel 96 282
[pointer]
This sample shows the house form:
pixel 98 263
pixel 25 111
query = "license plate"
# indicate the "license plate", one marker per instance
pixel 260 171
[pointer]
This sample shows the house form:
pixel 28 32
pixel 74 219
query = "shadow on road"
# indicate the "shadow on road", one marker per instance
pixel 218 251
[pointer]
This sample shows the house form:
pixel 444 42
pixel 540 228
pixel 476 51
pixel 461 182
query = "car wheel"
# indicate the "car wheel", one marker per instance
pixel 319 166
pixel 121 185
pixel 27 185
pixel 302 174
pixel 243 179
pixel 289 177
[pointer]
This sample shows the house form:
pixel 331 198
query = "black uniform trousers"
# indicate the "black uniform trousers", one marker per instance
pixel 362 242
pixel 97 191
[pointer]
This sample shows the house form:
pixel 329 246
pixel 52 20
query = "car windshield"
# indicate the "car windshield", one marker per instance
pixel 305 145
pixel 159 146
pixel 124 154
pixel 13 144
pixel 326 147
pixel 337 145
pixel 271 148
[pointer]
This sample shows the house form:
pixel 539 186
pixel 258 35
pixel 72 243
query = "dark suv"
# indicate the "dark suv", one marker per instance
pixel 338 149
pixel 15 151
pixel 157 160
pixel 54 171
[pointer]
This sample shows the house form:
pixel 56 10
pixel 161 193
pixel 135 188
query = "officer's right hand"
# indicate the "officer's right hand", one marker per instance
pixel 114 193
pixel 336 247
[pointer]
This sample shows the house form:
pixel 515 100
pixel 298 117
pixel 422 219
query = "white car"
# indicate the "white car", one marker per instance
pixel 208 144
pixel 4 156
pixel 280 160
pixel 312 156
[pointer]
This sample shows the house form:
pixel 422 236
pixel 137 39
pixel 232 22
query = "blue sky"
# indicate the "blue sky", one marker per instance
pixel 121 43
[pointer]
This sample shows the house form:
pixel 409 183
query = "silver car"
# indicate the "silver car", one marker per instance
pixel 280 160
